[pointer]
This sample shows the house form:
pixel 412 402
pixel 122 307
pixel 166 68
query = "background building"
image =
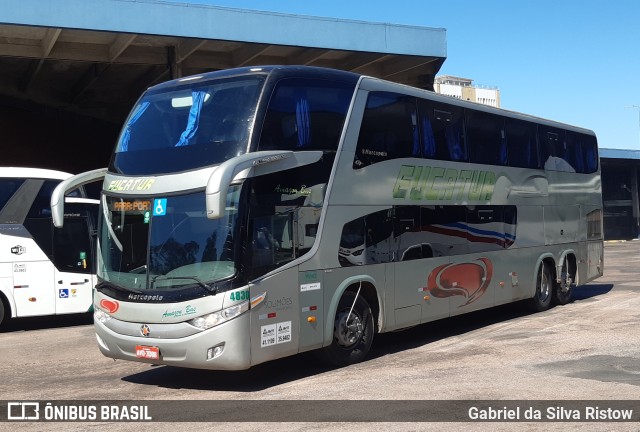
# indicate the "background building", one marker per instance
pixel 463 88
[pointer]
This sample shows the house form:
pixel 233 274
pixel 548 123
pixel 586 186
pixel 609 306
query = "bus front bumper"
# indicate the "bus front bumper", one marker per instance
pixel 223 347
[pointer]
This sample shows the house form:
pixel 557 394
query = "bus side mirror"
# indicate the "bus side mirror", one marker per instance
pixel 263 162
pixel 57 197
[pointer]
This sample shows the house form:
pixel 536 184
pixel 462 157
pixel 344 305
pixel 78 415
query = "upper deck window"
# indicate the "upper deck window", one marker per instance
pixel 306 114
pixel 389 129
pixel 189 125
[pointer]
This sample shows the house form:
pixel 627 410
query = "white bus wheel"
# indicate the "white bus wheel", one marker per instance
pixel 353 331
pixel 1 310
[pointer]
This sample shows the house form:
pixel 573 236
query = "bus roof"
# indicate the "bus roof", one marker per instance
pixel 295 70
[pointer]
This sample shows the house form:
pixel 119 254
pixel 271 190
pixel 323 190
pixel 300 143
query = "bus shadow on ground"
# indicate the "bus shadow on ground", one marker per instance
pixel 305 365
pixel 46 322
pixel 592 290
pixel 289 369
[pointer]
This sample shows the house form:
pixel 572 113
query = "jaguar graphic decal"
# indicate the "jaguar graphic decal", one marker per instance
pixel 469 280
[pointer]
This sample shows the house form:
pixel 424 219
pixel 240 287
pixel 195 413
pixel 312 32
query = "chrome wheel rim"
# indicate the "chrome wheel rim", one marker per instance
pixel 348 333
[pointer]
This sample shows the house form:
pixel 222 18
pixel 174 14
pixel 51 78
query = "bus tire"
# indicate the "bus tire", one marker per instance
pixel 351 340
pixel 563 290
pixel 541 300
pixel 2 309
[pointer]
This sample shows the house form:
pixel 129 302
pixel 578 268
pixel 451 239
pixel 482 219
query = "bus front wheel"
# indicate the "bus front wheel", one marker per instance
pixel 541 300
pixel 353 331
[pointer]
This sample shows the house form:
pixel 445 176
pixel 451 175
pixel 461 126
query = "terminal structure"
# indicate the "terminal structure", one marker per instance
pixel 70 71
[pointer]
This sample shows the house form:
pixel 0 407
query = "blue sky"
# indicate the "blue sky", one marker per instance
pixel 572 61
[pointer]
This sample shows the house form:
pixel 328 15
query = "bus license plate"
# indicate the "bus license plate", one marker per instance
pixel 147 352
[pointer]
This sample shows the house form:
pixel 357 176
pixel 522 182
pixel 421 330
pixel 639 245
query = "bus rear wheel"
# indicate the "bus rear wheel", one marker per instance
pixel 563 290
pixel 541 300
pixel 353 331
pixel 1 310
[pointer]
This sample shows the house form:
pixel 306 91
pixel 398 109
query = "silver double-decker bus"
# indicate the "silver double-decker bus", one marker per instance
pixel 255 213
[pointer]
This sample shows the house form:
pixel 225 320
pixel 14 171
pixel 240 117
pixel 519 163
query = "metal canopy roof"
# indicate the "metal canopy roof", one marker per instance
pixel 95 57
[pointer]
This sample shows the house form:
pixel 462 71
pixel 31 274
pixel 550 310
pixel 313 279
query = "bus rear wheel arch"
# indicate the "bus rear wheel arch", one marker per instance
pixel 353 330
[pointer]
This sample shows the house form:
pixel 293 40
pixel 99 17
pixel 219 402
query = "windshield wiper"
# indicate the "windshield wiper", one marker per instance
pixel 211 289
pixel 104 284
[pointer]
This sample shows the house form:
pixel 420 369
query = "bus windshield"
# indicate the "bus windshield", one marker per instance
pixel 189 125
pixel 166 243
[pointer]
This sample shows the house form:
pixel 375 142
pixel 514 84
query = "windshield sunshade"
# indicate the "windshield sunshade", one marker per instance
pixel 188 126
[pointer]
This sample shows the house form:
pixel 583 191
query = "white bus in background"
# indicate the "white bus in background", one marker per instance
pixel 255 213
pixel 44 270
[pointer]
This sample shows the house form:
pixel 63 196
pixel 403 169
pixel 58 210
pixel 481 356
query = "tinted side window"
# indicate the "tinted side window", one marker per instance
pixel 521 143
pixel 582 152
pixel 388 130
pixel 41 229
pixel 554 149
pixel 590 150
pixel 419 232
pixel 41 206
pixel 574 151
pixel 284 213
pixel 306 114
pixel 72 246
pixel 486 138
pixel 8 186
pixel 442 130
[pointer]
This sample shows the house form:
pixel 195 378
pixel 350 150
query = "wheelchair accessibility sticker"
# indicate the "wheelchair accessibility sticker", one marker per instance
pixel 63 293
pixel 160 207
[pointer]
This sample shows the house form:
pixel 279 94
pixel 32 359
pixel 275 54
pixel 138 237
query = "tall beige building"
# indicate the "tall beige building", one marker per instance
pixel 463 88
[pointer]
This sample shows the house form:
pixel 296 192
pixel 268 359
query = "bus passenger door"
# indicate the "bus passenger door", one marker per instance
pixel 74 262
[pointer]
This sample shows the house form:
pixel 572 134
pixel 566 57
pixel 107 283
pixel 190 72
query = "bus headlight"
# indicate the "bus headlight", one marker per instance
pixel 100 315
pixel 216 318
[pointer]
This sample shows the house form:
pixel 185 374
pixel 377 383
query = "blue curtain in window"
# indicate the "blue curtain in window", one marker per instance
pixel 194 118
pixel 126 136
pixel 429 141
pixel 579 163
pixel 503 149
pixel 452 134
pixel 591 159
pixel 303 121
